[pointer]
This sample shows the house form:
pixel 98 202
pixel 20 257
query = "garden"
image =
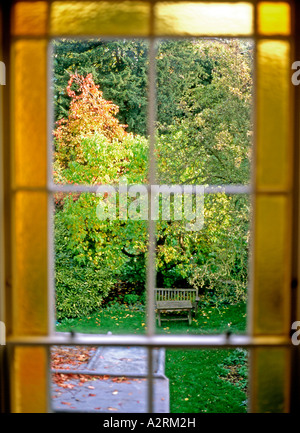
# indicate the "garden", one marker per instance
pixel 203 137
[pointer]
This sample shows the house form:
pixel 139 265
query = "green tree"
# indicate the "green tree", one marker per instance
pixel 210 143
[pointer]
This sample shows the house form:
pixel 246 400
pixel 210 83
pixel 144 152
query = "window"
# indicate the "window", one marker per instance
pixel 27 191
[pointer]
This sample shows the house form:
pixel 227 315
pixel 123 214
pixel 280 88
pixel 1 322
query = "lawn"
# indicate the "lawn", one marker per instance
pixel 212 381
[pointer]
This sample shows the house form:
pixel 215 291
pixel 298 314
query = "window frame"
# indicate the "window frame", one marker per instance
pixel 251 340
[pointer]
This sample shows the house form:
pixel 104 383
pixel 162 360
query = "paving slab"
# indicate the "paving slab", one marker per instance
pixel 127 360
pixel 108 396
pixel 117 389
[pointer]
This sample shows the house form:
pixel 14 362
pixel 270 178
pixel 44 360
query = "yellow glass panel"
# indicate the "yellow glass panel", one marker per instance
pixel 100 18
pixel 274 18
pixel 271 265
pixel 274 116
pixel 30 112
pixel 191 18
pixel 30 264
pixel 30 18
pixel 270 380
pixel 29 380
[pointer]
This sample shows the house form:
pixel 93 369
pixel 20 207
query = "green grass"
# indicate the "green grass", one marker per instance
pixel 212 381
pixel 199 382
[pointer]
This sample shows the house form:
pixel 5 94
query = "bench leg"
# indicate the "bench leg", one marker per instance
pixel 159 321
pixel 190 317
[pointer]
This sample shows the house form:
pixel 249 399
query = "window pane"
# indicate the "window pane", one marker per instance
pixel 273 150
pixel 274 18
pixel 29 380
pixel 30 313
pixel 270 380
pixel 100 108
pixel 211 259
pixel 271 261
pixel 30 18
pixel 115 379
pixel 184 18
pixel 100 18
pixel 29 116
pixel 99 265
pixel 207 381
pixel 204 111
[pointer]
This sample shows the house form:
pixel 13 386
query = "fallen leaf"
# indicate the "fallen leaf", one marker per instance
pixel 91 387
pixel 65 402
pixel 92 395
pixel 121 380
pixel 115 392
pixel 112 408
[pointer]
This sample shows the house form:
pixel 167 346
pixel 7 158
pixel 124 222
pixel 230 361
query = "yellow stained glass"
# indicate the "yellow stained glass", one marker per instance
pixel 30 18
pixel 274 120
pixel 270 374
pixel 30 298
pixel 192 18
pixel 274 18
pixel 113 18
pixel 271 265
pixel 30 112
pixel 29 380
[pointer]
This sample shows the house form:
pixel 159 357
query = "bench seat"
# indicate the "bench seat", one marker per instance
pixel 175 300
pixel 170 306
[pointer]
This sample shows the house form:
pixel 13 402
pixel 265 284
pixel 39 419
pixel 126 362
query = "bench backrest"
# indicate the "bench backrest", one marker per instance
pixel 176 294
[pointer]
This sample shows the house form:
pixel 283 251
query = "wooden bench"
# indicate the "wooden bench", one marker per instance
pixel 173 300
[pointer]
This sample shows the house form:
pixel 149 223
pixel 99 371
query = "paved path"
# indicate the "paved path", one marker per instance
pixel 126 392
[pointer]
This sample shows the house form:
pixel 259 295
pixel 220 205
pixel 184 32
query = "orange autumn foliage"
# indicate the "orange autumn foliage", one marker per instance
pixel 89 114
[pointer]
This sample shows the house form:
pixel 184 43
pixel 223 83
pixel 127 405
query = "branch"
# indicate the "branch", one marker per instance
pixel 130 254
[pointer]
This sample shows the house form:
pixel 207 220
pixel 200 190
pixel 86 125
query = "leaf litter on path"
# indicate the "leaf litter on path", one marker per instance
pixel 70 358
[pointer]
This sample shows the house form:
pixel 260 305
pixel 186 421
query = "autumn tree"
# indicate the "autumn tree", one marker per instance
pixel 119 67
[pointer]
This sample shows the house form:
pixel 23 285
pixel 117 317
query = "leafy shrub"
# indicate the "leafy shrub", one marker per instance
pixel 236 363
pixel 79 287
pixel 133 273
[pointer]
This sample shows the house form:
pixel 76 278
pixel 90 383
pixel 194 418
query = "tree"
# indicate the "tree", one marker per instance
pixel 210 143
pixel 118 67
pixel 89 115
pixel 180 69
